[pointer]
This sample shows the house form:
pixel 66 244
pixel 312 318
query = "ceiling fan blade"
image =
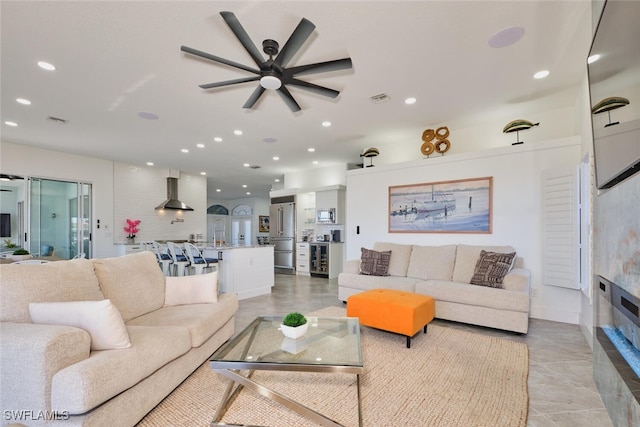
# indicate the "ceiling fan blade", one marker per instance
pixel 254 97
pixel 218 59
pixel 229 82
pixel 288 99
pixel 320 90
pixel 295 42
pixel 320 67
pixel 242 35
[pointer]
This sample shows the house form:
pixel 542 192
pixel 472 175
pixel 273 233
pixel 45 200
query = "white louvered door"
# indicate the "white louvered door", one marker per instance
pixel 560 229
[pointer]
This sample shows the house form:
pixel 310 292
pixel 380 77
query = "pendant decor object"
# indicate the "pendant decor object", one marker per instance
pixel 370 153
pixel 516 126
pixel 608 104
pixel 441 144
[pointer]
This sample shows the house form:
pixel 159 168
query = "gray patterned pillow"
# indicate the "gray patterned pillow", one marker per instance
pixel 491 268
pixel 374 263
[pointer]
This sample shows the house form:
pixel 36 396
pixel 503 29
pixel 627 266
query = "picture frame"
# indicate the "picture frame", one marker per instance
pixel 456 206
pixel 263 223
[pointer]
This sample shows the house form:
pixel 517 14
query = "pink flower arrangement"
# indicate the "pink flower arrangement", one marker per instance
pixel 132 227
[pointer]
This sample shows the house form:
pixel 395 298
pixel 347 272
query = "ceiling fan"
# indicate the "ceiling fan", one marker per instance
pixel 273 73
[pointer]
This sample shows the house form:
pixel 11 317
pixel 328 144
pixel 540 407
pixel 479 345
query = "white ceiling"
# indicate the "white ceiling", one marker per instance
pixel 115 59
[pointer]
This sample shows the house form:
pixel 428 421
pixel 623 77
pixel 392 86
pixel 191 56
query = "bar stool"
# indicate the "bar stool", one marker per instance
pixel 164 259
pixel 180 261
pixel 197 261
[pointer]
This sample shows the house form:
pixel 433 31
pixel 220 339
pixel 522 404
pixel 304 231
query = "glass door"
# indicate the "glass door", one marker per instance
pixel 59 218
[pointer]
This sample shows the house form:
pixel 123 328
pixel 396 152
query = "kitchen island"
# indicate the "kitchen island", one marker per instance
pixel 246 271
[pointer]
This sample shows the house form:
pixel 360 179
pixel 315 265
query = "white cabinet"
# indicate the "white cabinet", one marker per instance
pixel 302 259
pixel 122 249
pixel 246 272
pixel 332 199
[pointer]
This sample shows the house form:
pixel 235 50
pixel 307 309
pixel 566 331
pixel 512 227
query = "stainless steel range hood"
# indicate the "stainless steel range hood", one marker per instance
pixel 172 201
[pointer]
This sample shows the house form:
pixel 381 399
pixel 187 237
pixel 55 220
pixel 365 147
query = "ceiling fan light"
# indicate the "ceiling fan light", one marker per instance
pixel 270 82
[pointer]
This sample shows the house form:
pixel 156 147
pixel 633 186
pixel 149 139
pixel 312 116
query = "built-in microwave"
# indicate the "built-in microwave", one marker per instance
pixel 326 216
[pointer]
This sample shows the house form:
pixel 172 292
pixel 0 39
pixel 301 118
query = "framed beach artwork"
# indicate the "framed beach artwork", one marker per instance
pixel 459 206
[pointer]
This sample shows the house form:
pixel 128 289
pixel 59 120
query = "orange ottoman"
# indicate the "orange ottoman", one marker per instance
pixel 401 312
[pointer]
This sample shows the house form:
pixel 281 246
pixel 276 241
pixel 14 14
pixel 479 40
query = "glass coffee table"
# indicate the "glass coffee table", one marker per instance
pixel 331 345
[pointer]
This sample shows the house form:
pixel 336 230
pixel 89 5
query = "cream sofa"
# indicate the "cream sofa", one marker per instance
pixel 444 273
pixel 50 371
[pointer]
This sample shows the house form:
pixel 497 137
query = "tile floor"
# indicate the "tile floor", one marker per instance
pixel 562 392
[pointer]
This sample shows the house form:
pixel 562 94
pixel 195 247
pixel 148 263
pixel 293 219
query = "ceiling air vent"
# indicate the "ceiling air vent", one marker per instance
pixel 57 120
pixel 379 98
pixel 254 167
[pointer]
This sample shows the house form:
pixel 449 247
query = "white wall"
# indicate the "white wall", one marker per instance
pixel 29 161
pixel 316 177
pixel 517 208
pixel 138 190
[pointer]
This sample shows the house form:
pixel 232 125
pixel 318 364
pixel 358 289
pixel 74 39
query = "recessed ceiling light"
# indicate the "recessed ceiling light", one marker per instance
pixel 326 124
pixel 149 163
pixel 315 162
pixel 248 193
pixel 200 145
pixel 276 158
pixel 46 66
pixel 148 116
pixel 237 132
pixel 277 180
pixel 9 123
pixel 184 150
pixel 593 58
pixel 217 139
pixel 410 101
pixel 269 140
pixel 244 185
pixel 246 165
pixel 203 173
pixel 218 190
pixel 23 101
pixel 506 37
pixel 541 74
pixel 311 149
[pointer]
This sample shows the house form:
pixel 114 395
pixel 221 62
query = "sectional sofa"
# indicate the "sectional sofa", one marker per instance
pixel 445 273
pixel 101 342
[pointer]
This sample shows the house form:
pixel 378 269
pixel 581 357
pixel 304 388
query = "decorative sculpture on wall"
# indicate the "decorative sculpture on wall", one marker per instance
pixel 609 104
pixel 516 126
pixel 370 153
pixel 442 144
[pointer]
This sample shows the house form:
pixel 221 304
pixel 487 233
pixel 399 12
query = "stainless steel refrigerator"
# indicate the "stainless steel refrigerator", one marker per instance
pixel 282 226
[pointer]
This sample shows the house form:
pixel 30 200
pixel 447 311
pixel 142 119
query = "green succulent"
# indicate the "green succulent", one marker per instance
pixel 294 319
pixel 21 252
pixel 8 243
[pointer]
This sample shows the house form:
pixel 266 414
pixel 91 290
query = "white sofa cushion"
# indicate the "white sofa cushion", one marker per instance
pixel 196 289
pixel 432 262
pixel 20 285
pixel 100 319
pixel 202 320
pixel 467 257
pixel 359 281
pixel 134 283
pixel 105 374
pixel 482 296
pixel 400 256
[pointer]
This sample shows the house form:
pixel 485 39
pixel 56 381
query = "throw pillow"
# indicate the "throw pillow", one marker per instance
pixel 196 289
pixel 491 268
pixel 374 263
pixel 100 319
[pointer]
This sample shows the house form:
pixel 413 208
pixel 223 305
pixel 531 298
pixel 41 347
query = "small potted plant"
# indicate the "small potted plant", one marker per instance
pixel 20 254
pixel 294 325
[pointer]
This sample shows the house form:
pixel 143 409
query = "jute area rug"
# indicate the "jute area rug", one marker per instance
pixel 448 377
